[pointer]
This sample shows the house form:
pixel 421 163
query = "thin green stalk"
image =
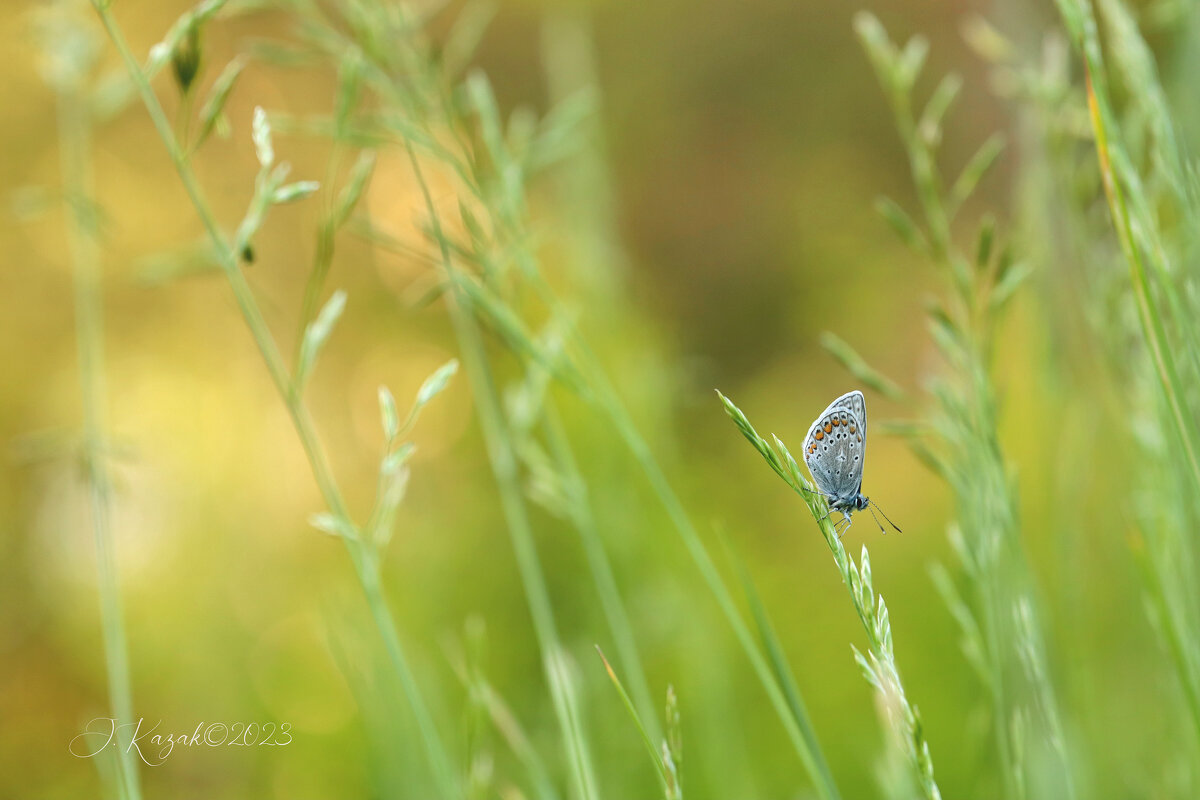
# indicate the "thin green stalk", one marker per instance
pixel 504 466
pixel 879 666
pixel 774 648
pixel 1139 217
pixel 991 552
pixel 666 773
pixel 610 405
pixel 365 562
pixel 1082 25
pixel 806 746
pixel 74 130
pixel 803 740
pixel 497 437
pixel 1174 631
pixel 569 67
pixel 323 257
pixel 1153 329
pixel 601 569
pixel 509 727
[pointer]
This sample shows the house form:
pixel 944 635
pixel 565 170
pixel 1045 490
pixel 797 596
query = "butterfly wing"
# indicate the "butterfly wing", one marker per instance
pixel 835 448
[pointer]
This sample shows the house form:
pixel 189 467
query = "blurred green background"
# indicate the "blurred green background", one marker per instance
pixel 742 147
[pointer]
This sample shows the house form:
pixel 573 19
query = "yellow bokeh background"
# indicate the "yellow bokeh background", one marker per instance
pixel 744 145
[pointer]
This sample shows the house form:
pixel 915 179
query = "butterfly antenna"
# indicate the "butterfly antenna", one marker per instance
pixel 877 522
pixel 885 516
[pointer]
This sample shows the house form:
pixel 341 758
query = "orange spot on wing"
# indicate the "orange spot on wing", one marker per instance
pixel 828 427
pixel 819 435
pixel 836 421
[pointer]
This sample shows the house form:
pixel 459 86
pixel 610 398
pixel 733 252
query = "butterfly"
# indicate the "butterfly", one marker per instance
pixel 835 451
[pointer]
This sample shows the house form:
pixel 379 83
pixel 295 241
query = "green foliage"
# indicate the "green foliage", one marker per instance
pixel 1148 182
pixel 965 450
pixel 879 664
pixel 213 111
pixel 662 757
pixel 408 88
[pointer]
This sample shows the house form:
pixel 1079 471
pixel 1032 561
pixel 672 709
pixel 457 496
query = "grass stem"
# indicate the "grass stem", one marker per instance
pixel 76 146
pixel 365 563
pixel 504 467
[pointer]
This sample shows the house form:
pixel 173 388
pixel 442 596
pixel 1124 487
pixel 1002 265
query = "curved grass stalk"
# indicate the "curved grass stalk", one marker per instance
pixel 365 559
pixel 879 665
pixel 422 92
pixel 594 387
pixel 501 452
pixel 1081 24
pixel 74 131
pixel 1006 639
pixel 602 573
pixel 1165 572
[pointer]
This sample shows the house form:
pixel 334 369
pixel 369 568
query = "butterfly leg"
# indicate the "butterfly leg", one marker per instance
pixel 846 519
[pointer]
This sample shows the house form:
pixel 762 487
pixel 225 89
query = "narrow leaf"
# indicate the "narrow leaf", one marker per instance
pixel 260 132
pixel 879 47
pixel 214 104
pixel 976 168
pixel 333 525
pixel 939 102
pixel 559 135
pixel 294 191
pixel 858 367
pixel 352 192
pixel 779 664
pixel 430 389
pixel 912 60
pixel 466 34
pixel 1008 285
pixel 394 484
pixel 349 85
pixel 436 382
pixel 983 248
pixel 387 412
pixel 986 41
pixel 663 774
pixel 902 224
pixel 315 335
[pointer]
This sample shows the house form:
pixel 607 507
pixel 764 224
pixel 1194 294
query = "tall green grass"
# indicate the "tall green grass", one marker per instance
pixel 530 365
pixel 458 126
pixel 363 542
pixel 70 50
pixel 1149 179
pixel 998 609
pixel 879 664
pixel 1112 162
pixel 999 617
